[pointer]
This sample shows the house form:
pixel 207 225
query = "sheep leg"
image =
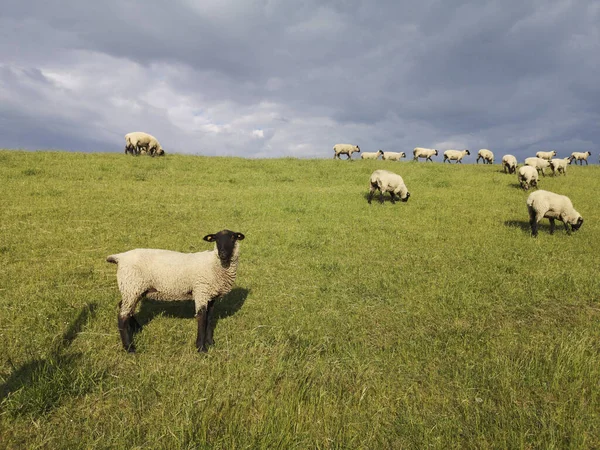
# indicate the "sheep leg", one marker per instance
pixel 209 323
pixel 126 332
pixel 371 192
pixel 551 225
pixel 392 198
pixel 202 318
pixel 533 222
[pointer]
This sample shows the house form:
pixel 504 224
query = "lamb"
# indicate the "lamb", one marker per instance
pixel 168 275
pixel 387 181
pixel 344 149
pixel 371 155
pixel 509 162
pixel 427 153
pixel 527 176
pixel 579 156
pixel 138 140
pixel 542 204
pixel 539 164
pixel 486 156
pixel 455 155
pixel 393 156
pixel 546 155
pixel 559 165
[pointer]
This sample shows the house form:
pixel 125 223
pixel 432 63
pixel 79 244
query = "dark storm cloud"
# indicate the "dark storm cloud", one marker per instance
pixel 270 78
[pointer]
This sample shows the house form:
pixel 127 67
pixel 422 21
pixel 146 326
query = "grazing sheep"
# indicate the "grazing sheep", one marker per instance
pixel 509 162
pixel 546 155
pixel 527 176
pixel 136 141
pixel 427 153
pixel 579 156
pixel 559 165
pixel 486 156
pixel 168 275
pixel 455 155
pixel 344 149
pixel 547 204
pixel 539 164
pixel 393 156
pixel 387 181
pixel 371 155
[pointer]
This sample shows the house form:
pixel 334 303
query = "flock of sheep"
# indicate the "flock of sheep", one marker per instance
pixel 540 204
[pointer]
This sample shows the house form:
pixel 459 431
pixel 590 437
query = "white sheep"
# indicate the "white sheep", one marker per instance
pixel 371 155
pixel 539 163
pixel 547 204
pixel 427 153
pixel 546 155
pixel 579 156
pixel 168 275
pixel 138 140
pixel 344 149
pixel 455 155
pixel 387 181
pixel 527 176
pixel 393 156
pixel 559 165
pixel 487 156
pixel 509 163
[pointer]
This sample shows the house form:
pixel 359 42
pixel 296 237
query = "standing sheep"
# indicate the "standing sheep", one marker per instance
pixel 371 155
pixel 386 181
pixel 138 140
pixel 486 156
pixel 344 149
pixel 455 155
pixel 546 155
pixel 168 275
pixel 509 162
pixel 527 176
pixel 559 165
pixel 427 153
pixel 539 164
pixel 547 204
pixel 393 156
pixel 579 156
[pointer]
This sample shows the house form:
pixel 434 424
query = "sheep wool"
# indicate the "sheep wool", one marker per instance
pixel 393 156
pixel 137 141
pixel 386 181
pixel 487 156
pixel 509 163
pixel 559 165
pixel 427 153
pixel 539 164
pixel 552 206
pixel 371 155
pixel 170 276
pixel 455 155
pixel 546 155
pixel 344 149
pixel 579 156
pixel 527 176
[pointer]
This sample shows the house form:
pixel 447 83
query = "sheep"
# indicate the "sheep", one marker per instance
pixel 344 149
pixel 427 153
pixel 579 156
pixel 138 140
pixel 455 155
pixel 527 176
pixel 509 162
pixel 539 163
pixel 371 155
pixel 546 155
pixel 547 204
pixel 559 165
pixel 169 275
pixel 387 181
pixel 487 156
pixel 393 156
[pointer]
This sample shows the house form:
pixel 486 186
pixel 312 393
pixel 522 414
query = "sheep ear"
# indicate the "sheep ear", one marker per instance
pixel 209 238
pixel 239 236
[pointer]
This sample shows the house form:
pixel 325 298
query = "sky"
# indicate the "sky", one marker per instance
pixel 274 78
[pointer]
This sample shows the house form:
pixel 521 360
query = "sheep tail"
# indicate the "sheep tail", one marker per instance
pixel 112 259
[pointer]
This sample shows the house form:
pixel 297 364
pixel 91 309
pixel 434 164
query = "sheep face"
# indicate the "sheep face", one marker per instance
pixel 405 199
pixel 575 226
pixel 225 241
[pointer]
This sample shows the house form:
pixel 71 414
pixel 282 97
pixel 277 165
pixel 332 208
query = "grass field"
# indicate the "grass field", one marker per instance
pixel 434 323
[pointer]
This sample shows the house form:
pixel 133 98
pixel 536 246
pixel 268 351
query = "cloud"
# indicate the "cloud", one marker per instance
pixel 266 78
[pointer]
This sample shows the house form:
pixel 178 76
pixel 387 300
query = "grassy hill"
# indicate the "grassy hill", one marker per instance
pixel 438 322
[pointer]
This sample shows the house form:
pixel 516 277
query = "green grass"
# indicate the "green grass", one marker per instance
pixel 434 323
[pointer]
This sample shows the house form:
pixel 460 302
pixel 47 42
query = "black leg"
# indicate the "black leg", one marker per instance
pixel 209 323
pixel 371 192
pixel 126 333
pixel 534 228
pixel 201 337
pixel 392 198
pixel 380 196
pixel 551 225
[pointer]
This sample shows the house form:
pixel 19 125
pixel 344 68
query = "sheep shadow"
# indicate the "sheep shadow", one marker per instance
pixel 386 198
pixel 225 307
pixel 40 385
pixel 522 224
